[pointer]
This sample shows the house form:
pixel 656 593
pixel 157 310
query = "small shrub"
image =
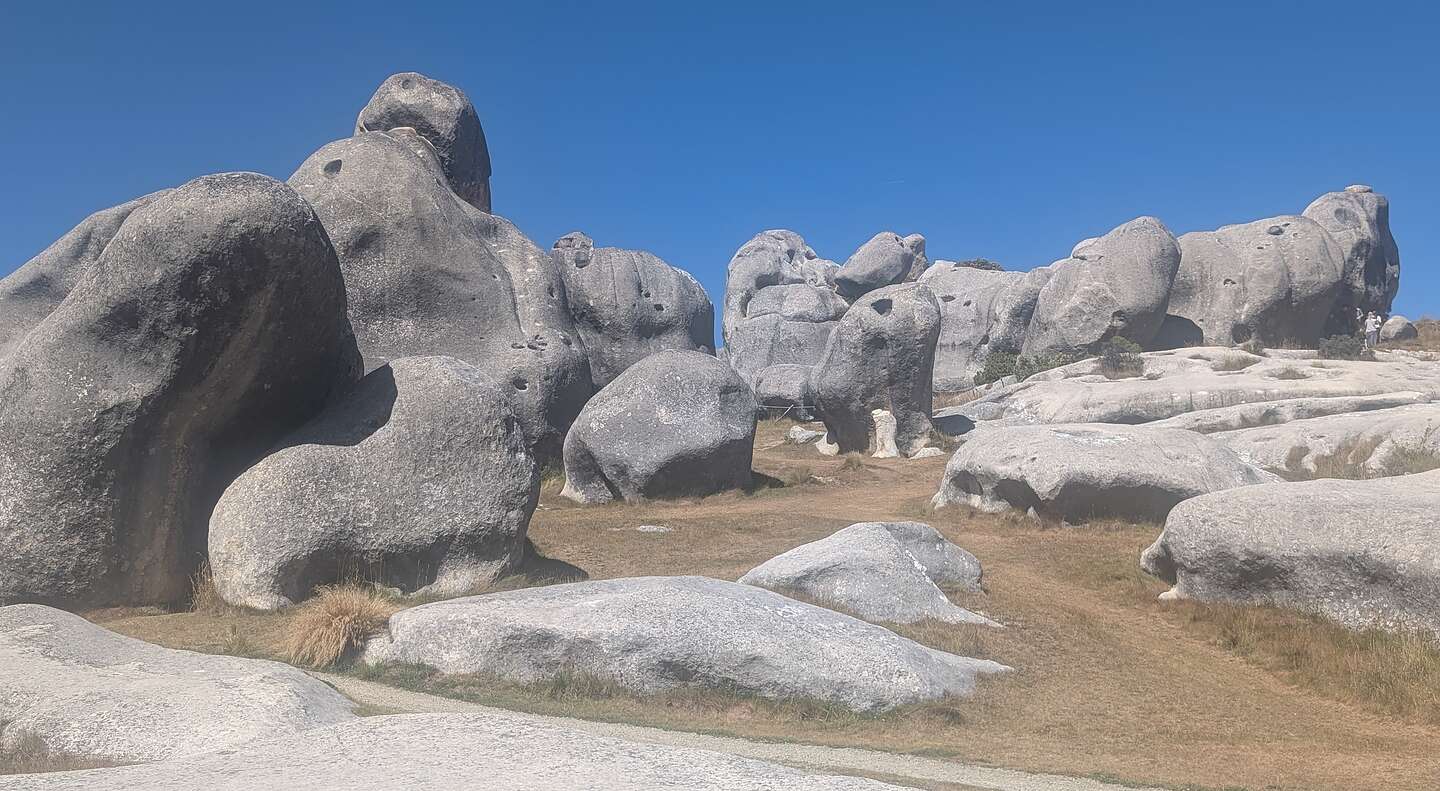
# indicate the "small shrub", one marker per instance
pixel 1344 347
pixel 1233 362
pixel 1029 366
pixel 335 622
pixel 1290 374
pixel 853 461
pixel 998 365
pixel 1253 346
pixel 1120 358
pixel 23 752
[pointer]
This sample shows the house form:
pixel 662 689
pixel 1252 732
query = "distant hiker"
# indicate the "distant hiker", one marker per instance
pixel 1372 330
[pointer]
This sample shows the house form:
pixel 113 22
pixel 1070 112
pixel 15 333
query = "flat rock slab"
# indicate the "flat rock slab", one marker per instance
pixel 1273 413
pixel 443 752
pixel 1362 553
pixel 86 691
pixel 868 570
pixel 655 634
pixel 1084 471
pixel 1374 444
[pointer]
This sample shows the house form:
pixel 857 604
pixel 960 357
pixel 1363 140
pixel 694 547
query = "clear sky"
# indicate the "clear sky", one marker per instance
pixel 1007 130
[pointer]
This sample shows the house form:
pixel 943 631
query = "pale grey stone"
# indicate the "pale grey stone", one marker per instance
pixel 886 260
pixel 982 311
pixel 1358 218
pixel 653 634
pixel 1370 444
pixel 780 304
pixel 883 439
pixel 1398 328
pixel 784 391
pixel 1284 410
pixel 799 435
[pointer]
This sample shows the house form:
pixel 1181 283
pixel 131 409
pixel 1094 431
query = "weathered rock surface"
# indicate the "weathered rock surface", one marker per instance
pixel 212 324
pixel 444 752
pixel 1359 552
pixel 1358 218
pixel 629 304
pixel 428 274
pixel 982 311
pixel 443 116
pixel 1284 410
pixel 84 690
pixel 880 356
pixel 784 391
pixel 419 476
pixel 1370 444
pixel 1276 279
pixel 1398 328
pixel 1115 286
pixel 653 634
pixel 886 260
pixel 1079 472
pixel 780 304
pixel 870 571
pixel 674 424
pixel 31 292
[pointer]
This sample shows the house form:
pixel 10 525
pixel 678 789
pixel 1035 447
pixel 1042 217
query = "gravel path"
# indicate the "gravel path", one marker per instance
pixel 893 767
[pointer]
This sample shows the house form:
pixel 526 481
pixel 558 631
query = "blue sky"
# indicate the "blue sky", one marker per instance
pixel 1004 130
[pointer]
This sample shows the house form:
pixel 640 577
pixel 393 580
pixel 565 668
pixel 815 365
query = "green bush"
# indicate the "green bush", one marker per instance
pixel 1344 347
pixel 997 366
pixel 1120 358
pixel 1002 364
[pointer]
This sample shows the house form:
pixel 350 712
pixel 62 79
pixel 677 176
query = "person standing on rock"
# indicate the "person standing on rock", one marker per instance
pixel 1372 330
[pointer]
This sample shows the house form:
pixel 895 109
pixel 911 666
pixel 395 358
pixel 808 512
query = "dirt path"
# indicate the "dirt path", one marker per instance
pixel 893 768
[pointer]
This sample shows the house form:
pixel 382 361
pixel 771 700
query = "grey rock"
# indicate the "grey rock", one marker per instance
pixel 629 304
pixel 31 292
pixel 1359 552
pixel 444 752
pixel 1115 286
pixel 780 304
pixel 84 690
pixel 784 391
pixel 916 243
pixel 982 311
pixel 419 476
pixel 1398 328
pixel 880 356
pixel 886 260
pixel 654 634
pixel 1358 218
pixel 1075 473
pixel 1275 279
pixel 884 428
pixel 674 424
pixel 946 564
pixel 799 435
pixel 429 274
pixel 211 325
pixel 445 119
pixel 868 571
pixel 1370 444
pixel 1285 410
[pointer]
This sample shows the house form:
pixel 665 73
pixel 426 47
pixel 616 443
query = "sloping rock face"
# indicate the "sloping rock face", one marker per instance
pixel 1115 286
pixel 1276 279
pixel 880 356
pixel 419 476
pixel 674 424
pixel 865 570
pixel 428 274
pixel 1359 552
pixel 946 564
pixel 84 690
pixel 784 391
pixel 444 752
pixel 1358 218
pixel 211 325
pixel 982 311
pixel 1079 472
pixel 653 634
pixel 780 304
pixel 886 260
pixel 31 292
pixel 1398 328
pixel 443 116
pixel 629 304
pixel 1371 444
pixel 1284 410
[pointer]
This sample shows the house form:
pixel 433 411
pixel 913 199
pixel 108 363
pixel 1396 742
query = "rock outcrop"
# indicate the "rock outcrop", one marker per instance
pixel 1283 410
pixel 880 356
pixel 1398 328
pixel 675 424
pixel 1371 444
pixel 784 391
pixel 84 690
pixel 886 260
pixel 1359 552
pixel 212 324
pixel 654 634
pixel 1358 219
pixel 418 478
pixel 982 311
pixel 629 304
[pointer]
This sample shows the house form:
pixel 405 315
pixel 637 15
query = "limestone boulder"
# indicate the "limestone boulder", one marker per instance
pixel 655 634
pixel 1372 444
pixel 211 325
pixel 780 304
pixel 675 424
pixel 1359 552
pixel 784 391
pixel 1283 410
pixel 982 311
pixel 886 260
pixel 1358 219
pixel 419 477
pixel 1398 328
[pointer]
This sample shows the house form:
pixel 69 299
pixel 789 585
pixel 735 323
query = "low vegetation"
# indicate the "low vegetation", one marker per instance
pixel 1253 346
pixel 1289 374
pixel 1234 362
pixel 25 753
pixel 1344 347
pixel 1120 359
pixel 335 622
pixel 999 365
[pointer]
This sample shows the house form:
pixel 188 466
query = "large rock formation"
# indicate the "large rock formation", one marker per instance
pixel 885 260
pixel 674 424
pixel 1276 280
pixel 780 304
pixel 428 274
pixel 445 119
pixel 880 356
pixel 1283 410
pixel 869 570
pixel 1113 286
pixel 212 324
pixel 983 311
pixel 784 391
pixel 654 634
pixel 1369 444
pixel 629 304
pixel 1078 472
pixel 419 477
pixel 31 292
pixel 1398 328
pixel 84 690
pixel 1359 552
pixel 1359 221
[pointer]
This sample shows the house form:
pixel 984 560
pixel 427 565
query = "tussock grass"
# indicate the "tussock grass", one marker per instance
pixel 853 461
pixel 1289 374
pixel 1350 460
pixel 24 752
pixel 335 622
pixel 205 598
pixel 1234 362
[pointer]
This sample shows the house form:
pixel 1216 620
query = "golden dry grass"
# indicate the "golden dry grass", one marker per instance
pixel 334 622
pixel 25 753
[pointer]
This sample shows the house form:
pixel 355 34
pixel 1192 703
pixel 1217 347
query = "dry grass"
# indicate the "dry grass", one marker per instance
pixel 335 622
pixel 205 598
pixel 26 753
pixel 958 398
pixel 1350 460
pixel 1289 374
pixel 1234 362
pixel 1427 340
